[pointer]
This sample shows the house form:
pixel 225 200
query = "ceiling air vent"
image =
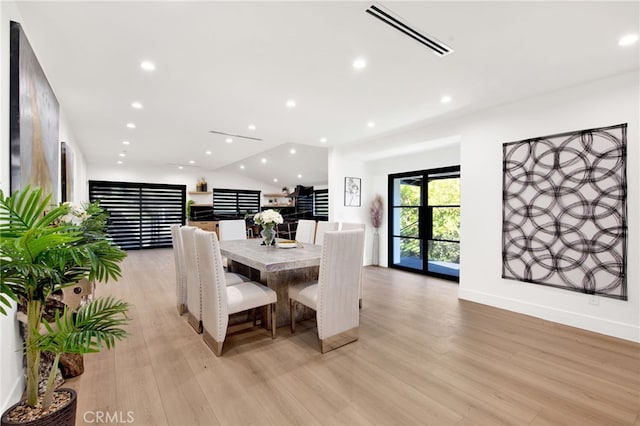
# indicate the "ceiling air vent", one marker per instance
pixel 438 48
pixel 235 136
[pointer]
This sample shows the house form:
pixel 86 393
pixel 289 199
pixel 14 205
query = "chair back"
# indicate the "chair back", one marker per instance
pixel 339 282
pixel 323 227
pixel 215 313
pixel 178 258
pixel 194 293
pixel 306 231
pixel 232 230
pixel 345 226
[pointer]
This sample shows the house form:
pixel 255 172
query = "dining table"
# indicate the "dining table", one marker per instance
pixel 276 267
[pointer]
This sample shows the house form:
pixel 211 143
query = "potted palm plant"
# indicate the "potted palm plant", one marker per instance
pixel 44 249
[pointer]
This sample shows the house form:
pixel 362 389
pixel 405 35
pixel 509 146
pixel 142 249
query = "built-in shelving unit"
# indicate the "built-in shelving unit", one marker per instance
pixel 281 200
pixel 200 200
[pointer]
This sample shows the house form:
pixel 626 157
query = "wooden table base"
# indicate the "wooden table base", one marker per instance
pixel 279 281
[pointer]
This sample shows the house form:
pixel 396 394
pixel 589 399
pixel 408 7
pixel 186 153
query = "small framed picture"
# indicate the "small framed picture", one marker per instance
pixel 352 191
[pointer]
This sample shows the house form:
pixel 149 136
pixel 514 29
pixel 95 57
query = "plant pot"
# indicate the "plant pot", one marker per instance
pixel 64 416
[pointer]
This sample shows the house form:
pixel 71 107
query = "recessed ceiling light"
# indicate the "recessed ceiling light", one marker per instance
pixel 147 66
pixel 292 150
pixel 119 162
pixel 359 63
pixel 242 166
pixel 208 152
pixel 122 154
pixel 371 124
pixel 191 162
pixel 291 103
pixel 126 143
pixel 323 140
pixel 445 99
pixel 180 167
pixel 263 161
pixel 131 125
pixel 228 140
pixel 252 126
pixel 136 105
pixel 628 39
pixel 275 179
pixel 299 176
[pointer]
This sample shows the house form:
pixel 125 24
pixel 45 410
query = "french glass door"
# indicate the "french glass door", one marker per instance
pixel 424 225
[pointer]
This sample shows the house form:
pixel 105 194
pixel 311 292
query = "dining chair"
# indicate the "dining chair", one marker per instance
pixel 219 300
pixel 334 296
pixel 306 231
pixel 194 291
pixel 181 278
pixel 323 227
pixel 232 229
pixel 345 226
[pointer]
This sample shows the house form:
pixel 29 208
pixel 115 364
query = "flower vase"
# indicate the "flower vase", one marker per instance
pixel 268 234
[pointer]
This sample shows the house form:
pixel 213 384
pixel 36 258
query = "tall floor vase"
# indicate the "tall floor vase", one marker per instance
pixel 375 259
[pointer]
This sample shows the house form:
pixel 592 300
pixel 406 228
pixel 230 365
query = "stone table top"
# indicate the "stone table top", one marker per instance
pixel 250 252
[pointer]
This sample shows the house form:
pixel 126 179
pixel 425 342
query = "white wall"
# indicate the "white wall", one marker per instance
pixel 601 103
pixel 11 371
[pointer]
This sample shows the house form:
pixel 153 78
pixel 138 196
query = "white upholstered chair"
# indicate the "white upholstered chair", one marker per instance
pixel 345 226
pixel 334 296
pixel 306 231
pixel 194 297
pixel 181 278
pixel 194 292
pixel 323 227
pixel 219 300
pixel 232 230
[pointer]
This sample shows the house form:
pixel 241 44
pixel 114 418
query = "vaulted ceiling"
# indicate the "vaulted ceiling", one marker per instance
pixel 223 66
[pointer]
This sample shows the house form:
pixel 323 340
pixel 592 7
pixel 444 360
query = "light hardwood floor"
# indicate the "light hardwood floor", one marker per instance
pixel 423 357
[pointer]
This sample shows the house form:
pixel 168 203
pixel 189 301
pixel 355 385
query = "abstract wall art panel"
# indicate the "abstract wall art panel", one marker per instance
pixel 564 212
pixel 34 115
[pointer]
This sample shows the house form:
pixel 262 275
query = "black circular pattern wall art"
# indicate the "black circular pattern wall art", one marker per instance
pixel 564 211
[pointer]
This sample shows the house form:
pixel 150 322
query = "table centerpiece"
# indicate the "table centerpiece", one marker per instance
pixel 268 219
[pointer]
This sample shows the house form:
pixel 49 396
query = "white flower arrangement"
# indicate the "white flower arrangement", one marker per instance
pixel 268 218
pixel 76 216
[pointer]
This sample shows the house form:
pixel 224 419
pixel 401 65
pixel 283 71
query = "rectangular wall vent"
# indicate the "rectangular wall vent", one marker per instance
pixel 437 47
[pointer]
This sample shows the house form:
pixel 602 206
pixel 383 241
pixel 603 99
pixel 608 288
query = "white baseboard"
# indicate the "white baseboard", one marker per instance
pixel 15 394
pixel 586 322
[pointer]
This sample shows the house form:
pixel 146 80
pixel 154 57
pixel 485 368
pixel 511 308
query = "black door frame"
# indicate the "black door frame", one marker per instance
pixel 424 218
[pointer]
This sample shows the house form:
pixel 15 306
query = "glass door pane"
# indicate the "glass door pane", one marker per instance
pixel 407 247
pixel 443 254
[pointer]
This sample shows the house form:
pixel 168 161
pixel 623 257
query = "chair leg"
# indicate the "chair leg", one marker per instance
pixel 212 343
pixel 360 303
pixel 292 313
pixel 273 320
